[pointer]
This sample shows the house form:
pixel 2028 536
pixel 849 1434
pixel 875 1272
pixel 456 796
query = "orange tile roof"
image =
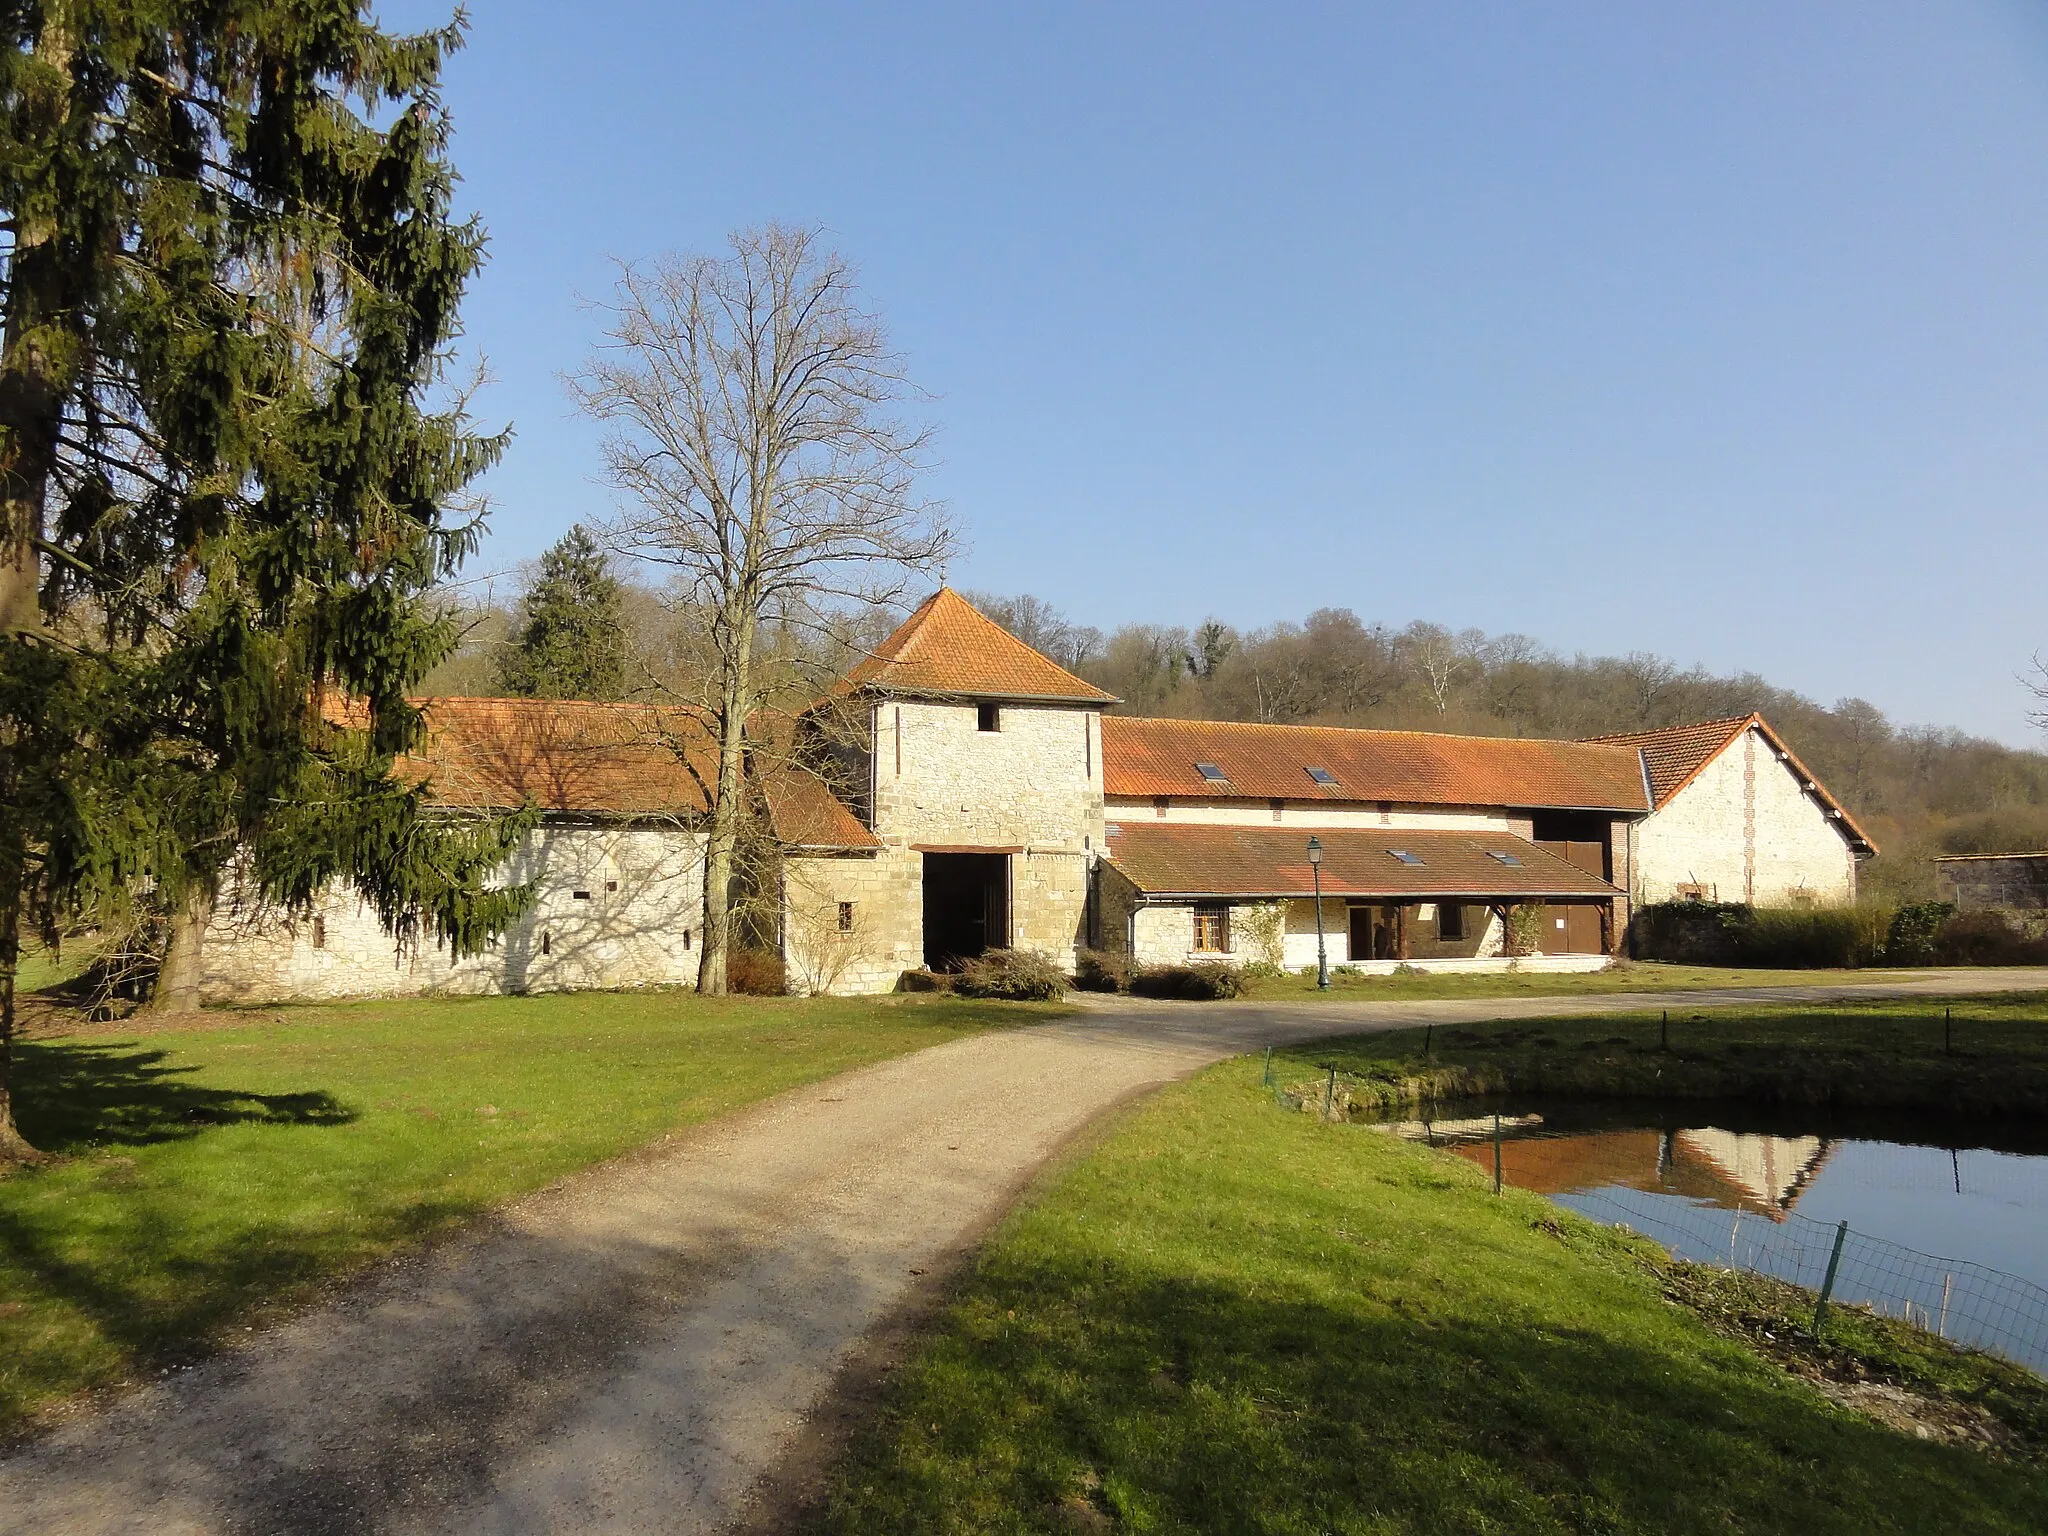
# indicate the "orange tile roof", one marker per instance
pixel 632 760
pixel 1158 757
pixel 950 649
pixel 1179 859
pixel 1677 753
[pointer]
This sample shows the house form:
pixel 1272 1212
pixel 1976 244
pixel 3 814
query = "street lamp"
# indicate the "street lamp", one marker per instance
pixel 1315 864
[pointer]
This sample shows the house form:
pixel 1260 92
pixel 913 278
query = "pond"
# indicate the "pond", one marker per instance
pixel 1948 1220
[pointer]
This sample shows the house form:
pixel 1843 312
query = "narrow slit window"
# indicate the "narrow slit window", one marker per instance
pixel 988 717
pixel 319 932
pixel 547 942
pixel 579 895
pixel 1324 777
pixel 846 917
pixel 1403 856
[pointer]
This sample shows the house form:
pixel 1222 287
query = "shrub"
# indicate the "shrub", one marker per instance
pixel 1988 938
pixel 755 972
pixel 1910 938
pixel 1730 933
pixel 1102 970
pixel 1015 975
pixel 1206 982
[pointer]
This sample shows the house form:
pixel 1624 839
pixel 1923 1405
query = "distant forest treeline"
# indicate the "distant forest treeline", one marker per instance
pixel 1919 791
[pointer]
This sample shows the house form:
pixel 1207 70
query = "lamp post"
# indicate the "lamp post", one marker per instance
pixel 1315 864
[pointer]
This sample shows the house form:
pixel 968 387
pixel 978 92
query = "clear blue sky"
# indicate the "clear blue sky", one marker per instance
pixel 1714 330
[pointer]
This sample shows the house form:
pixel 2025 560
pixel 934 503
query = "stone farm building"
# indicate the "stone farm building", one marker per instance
pixel 972 794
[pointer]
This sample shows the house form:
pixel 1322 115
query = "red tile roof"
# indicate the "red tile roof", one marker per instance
pixel 949 649
pixel 631 760
pixel 1158 757
pixel 1178 859
pixel 1677 753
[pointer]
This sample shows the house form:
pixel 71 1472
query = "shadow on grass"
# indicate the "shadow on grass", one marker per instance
pixel 1085 1396
pixel 72 1095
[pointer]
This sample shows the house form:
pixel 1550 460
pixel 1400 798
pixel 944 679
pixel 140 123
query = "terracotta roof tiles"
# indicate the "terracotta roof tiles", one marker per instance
pixel 1179 859
pixel 1158 757
pixel 949 649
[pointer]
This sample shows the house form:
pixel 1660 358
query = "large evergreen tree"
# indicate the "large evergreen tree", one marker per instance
pixel 570 639
pixel 224 492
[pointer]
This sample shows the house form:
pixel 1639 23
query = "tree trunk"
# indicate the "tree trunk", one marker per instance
pixel 727 807
pixel 29 409
pixel 177 979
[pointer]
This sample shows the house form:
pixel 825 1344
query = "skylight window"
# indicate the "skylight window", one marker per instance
pixel 1404 855
pixel 1212 773
pixel 1324 777
pixel 1508 859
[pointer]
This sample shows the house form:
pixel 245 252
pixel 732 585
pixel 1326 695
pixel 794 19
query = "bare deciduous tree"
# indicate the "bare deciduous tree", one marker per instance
pixel 750 402
pixel 2037 685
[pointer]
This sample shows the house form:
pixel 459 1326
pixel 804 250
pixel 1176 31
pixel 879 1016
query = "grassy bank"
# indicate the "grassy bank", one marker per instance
pixel 1623 976
pixel 1991 1057
pixel 212 1174
pixel 1226 1318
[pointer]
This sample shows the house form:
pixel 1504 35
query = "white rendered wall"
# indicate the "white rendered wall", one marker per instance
pixel 644 933
pixel 1745 830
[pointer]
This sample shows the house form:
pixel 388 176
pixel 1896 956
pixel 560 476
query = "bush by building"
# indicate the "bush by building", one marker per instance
pixel 1013 975
pixel 1199 983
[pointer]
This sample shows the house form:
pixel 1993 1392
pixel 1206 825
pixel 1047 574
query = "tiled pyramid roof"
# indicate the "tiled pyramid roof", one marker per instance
pixel 1677 753
pixel 571 756
pixel 1182 859
pixel 948 648
pixel 1158 757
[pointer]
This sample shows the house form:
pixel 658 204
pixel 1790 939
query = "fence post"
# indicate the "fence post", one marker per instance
pixel 1948 1038
pixel 1827 1286
pixel 1428 1038
pixel 1496 1151
pixel 1664 1031
pixel 1269 1066
pixel 1330 1095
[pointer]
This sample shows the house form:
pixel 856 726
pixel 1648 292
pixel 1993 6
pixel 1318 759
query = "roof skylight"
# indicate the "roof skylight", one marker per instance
pixel 1404 855
pixel 1212 773
pixel 1324 777
pixel 1508 859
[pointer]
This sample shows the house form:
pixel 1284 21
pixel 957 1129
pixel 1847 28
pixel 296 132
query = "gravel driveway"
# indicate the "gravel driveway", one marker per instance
pixel 635 1349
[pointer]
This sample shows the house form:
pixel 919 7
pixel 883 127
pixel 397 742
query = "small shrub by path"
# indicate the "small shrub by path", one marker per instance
pixel 213 1173
pixel 1988 1055
pixel 1226 1318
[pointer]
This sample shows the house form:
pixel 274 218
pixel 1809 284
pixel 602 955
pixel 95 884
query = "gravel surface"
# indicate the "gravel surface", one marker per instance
pixel 637 1348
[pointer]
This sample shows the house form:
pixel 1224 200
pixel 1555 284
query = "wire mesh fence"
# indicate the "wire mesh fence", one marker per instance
pixel 1959 1301
pixel 1965 1303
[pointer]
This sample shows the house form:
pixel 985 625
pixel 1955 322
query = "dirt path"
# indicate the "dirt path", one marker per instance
pixel 634 1349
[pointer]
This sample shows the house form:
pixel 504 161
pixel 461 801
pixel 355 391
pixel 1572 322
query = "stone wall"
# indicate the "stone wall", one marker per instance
pixel 1744 831
pixel 2012 882
pixel 616 907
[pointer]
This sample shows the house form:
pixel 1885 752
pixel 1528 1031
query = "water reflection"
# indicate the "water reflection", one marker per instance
pixel 1972 1191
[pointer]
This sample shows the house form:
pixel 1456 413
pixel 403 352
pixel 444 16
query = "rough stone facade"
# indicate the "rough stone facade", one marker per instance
pixel 617 906
pixel 1029 790
pixel 2001 882
pixel 1744 830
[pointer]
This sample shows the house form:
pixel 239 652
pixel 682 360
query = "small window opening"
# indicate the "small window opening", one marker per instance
pixel 1450 921
pixel 1404 856
pixel 319 932
pixel 988 717
pixel 579 895
pixel 846 917
pixel 1278 807
pixel 686 941
pixel 611 885
pixel 547 942
pixel 1324 777
pixel 1212 774
pixel 1212 930
pixel 1511 860
pixel 1159 805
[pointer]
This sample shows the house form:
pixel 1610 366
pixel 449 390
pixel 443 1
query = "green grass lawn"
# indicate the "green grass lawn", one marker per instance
pixel 1624 976
pixel 1229 1318
pixel 214 1173
pixel 1874 1054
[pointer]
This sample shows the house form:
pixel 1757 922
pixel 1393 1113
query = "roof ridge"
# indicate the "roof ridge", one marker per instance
pixel 978 659
pixel 1357 730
